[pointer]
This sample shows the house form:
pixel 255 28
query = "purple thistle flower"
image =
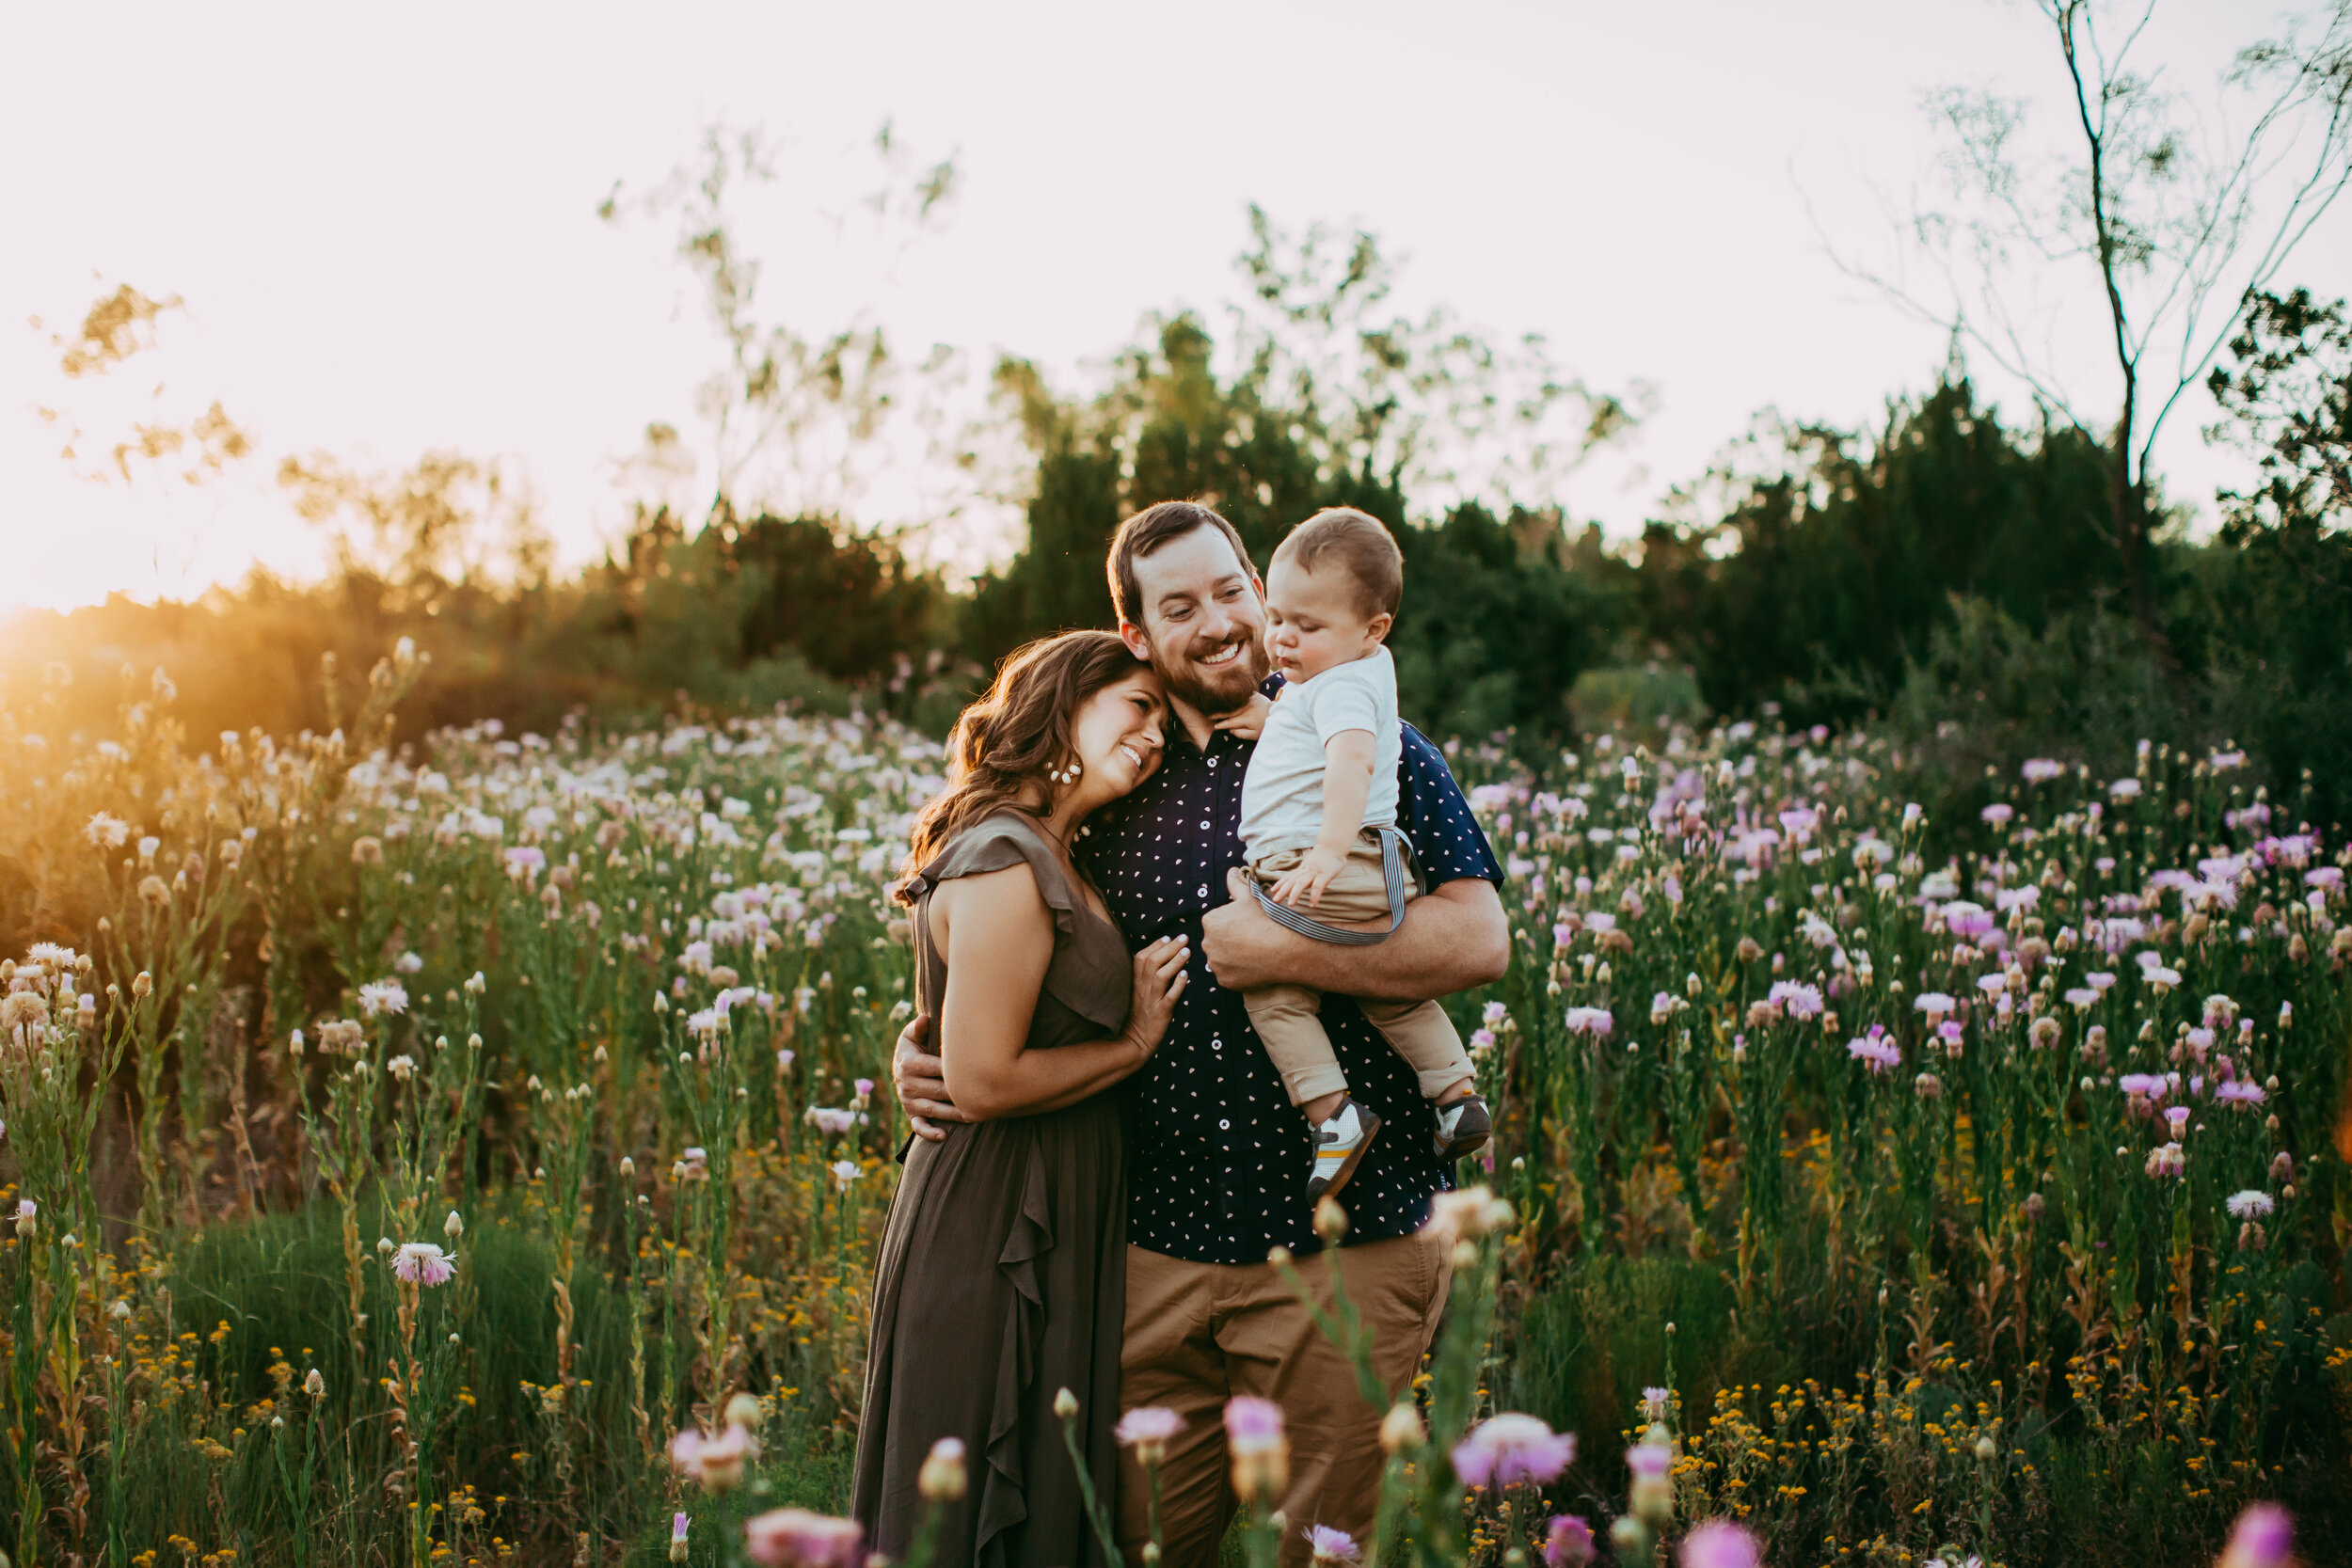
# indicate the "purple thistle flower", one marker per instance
pixel 1568 1543
pixel 1332 1545
pixel 2263 1538
pixel 422 1264
pixel 1512 1447
pixel 1251 1423
pixel 796 1538
pixel 1719 1544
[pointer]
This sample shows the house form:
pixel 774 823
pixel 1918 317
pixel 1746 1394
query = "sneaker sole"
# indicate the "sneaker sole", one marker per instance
pixel 1317 1187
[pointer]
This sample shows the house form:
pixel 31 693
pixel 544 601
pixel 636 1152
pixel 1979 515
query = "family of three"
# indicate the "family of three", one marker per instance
pixel 1173 985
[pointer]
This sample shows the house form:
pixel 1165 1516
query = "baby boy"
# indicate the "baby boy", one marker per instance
pixel 1318 827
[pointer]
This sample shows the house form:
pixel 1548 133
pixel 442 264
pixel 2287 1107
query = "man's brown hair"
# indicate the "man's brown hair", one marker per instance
pixel 1361 544
pixel 1145 532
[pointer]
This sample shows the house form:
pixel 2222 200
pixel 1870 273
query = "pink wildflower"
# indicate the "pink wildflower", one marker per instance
pixel 423 1263
pixel 1332 1547
pixel 1512 1447
pixel 2264 1538
pixel 1719 1544
pixel 796 1538
pixel 1568 1543
pixel 1148 1430
pixel 714 1464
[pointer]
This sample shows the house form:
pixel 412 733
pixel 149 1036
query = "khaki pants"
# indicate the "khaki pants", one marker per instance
pixel 1288 1020
pixel 1198 1334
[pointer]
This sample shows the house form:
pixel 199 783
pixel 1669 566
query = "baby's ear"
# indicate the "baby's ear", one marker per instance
pixel 1378 628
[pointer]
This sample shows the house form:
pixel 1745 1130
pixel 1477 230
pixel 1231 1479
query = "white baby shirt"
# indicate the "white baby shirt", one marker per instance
pixel 1281 796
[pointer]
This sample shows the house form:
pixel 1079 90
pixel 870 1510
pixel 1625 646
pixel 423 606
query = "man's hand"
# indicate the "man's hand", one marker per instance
pixel 1247 951
pixel 1452 939
pixel 921 1081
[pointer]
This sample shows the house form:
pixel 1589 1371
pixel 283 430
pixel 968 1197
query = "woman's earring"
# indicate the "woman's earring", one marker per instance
pixel 1065 775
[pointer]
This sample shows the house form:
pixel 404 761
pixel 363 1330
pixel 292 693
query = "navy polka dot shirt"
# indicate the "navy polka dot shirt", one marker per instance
pixel 1218 1156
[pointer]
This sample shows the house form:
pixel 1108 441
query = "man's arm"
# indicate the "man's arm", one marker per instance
pixel 1453 938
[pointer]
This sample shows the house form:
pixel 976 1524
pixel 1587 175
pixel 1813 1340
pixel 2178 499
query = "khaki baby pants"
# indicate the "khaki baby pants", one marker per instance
pixel 1286 1017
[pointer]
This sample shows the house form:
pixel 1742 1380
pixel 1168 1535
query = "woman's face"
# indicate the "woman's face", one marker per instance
pixel 1118 736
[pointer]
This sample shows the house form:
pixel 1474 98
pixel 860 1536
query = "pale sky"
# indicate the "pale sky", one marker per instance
pixel 384 222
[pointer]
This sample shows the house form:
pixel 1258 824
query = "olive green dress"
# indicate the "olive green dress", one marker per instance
pixel 1002 1275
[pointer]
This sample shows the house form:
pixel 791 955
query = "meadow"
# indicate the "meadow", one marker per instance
pixel 409 1142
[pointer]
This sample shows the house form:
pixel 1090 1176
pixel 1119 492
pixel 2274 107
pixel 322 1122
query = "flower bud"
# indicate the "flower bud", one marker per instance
pixel 315 1385
pixel 1330 1219
pixel 1401 1430
pixel 1065 1404
pixel 942 1477
pixel 454 1226
pixel 745 1410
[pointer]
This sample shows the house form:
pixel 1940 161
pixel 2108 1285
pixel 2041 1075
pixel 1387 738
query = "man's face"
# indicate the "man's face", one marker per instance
pixel 1202 620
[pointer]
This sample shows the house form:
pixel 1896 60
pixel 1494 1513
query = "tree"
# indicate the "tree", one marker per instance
pixel 1317 395
pixel 2175 219
pixel 794 416
pixel 192 447
pixel 449 521
pixel 2290 394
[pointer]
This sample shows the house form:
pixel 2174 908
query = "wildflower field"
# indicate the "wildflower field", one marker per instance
pixel 470 1151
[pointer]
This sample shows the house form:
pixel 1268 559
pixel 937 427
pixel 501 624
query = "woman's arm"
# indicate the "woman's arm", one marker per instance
pixel 998 937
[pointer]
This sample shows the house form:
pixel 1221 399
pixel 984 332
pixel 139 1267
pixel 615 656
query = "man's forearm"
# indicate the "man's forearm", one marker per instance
pixel 1452 939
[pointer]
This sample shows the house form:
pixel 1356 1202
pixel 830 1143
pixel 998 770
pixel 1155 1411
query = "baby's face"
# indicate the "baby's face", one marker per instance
pixel 1316 620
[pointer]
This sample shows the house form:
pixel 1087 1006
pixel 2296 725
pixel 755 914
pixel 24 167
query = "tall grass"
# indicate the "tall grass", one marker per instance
pixel 1890 1279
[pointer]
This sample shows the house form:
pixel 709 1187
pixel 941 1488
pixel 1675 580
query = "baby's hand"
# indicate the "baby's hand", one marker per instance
pixel 1308 877
pixel 1248 721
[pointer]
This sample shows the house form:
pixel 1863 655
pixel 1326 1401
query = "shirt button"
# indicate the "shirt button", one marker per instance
pixel 1225 1126
pixel 1203 891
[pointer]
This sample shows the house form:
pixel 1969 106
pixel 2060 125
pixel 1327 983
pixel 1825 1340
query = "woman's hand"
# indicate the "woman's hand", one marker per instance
pixel 1159 981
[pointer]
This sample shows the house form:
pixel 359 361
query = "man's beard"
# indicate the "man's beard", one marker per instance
pixel 1212 692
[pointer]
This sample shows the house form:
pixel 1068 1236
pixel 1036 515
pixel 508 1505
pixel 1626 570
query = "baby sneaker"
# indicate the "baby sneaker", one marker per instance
pixel 1463 1127
pixel 1340 1145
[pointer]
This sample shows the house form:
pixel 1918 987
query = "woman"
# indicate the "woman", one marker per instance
pixel 1001 1278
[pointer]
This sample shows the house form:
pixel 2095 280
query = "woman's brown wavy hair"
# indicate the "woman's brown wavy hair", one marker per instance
pixel 1004 745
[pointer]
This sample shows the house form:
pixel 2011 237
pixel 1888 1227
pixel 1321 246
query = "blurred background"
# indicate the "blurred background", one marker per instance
pixel 1944 365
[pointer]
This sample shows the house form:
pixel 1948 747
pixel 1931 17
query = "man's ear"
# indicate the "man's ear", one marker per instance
pixel 1136 642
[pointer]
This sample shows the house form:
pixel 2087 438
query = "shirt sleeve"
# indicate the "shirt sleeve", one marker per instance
pixel 1347 702
pixel 1447 839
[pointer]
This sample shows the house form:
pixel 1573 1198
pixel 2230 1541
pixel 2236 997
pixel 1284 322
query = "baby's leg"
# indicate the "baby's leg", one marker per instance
pixel 1288 1024
pixel 1425 1037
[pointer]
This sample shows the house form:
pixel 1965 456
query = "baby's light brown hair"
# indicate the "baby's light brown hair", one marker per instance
pixel 1359 544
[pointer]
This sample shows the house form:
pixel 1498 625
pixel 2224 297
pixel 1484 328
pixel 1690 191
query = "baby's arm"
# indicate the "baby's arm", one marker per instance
pixel 1347 759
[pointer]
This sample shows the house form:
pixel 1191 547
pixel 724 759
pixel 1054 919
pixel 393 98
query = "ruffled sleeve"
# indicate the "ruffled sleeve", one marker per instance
pixel 1089 972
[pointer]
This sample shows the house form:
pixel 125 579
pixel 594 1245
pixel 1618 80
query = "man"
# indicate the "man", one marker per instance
pixel 1218 1158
